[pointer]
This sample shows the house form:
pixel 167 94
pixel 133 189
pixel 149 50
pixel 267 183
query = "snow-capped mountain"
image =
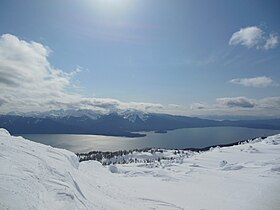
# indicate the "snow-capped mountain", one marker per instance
pixel 36 176
pixel 132 115
pixel 129 114
pixel 119 123
pixel 60 113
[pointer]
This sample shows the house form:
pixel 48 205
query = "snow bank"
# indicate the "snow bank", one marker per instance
pixel 36 176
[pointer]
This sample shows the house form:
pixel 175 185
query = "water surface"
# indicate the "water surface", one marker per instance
pixel 176 139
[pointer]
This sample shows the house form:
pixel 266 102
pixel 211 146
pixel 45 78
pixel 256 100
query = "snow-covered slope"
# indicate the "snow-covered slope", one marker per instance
pixel 35 176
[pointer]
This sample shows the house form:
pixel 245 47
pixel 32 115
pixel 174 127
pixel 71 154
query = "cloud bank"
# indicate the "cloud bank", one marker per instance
pixel 262 81
pixel 269 106
pixel 28 82
pixel 239 106
pixel 253 36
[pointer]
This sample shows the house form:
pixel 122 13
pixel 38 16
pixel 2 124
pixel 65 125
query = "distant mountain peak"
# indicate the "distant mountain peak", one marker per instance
pixel 133 115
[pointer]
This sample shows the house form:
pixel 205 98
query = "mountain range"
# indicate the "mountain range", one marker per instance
pixel 123 123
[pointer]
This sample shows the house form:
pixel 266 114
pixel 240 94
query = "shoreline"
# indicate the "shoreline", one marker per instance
pixel 101 155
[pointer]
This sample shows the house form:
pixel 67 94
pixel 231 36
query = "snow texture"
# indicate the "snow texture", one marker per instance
pixel 36 176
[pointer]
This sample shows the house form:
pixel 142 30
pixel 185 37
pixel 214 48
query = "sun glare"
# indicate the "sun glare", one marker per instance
pixel 112 5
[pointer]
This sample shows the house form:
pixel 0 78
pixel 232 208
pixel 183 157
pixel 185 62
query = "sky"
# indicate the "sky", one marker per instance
pixel 203 58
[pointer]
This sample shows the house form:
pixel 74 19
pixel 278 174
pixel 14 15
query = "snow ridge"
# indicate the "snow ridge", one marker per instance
pixel 36 176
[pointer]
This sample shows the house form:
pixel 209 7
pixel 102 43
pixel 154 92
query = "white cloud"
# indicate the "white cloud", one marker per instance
pixel 197 106
pixel 262 81
pixel 253 36
pixel 271 42
pixel 2 101
pixel 249 36
pixel 239 102
pixel 241 106
pixel 28 82
pixel 269 106
pixel 26 76
pixel 176 106
pixel 270 103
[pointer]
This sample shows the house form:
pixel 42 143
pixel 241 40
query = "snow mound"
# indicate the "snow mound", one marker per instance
pixel 250 149
pixel 223 163
pixel 113 169
pixel 36 176
pixel 230 167
pixel 274 140
pixel 4 132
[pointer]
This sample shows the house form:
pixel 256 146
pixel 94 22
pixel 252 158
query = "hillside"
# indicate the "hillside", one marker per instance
pixel 36 176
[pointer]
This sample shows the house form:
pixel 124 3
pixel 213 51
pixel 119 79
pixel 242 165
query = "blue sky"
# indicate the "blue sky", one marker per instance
pixel 180 55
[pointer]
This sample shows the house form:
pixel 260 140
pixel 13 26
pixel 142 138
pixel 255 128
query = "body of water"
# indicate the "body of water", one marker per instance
pixel 176 139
